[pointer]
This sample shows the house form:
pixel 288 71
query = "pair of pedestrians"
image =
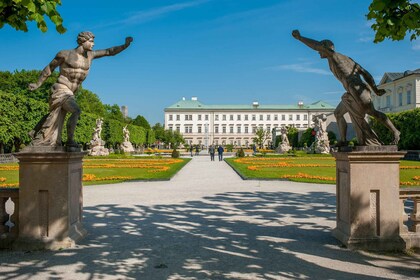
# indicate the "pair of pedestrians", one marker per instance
pixel 212 151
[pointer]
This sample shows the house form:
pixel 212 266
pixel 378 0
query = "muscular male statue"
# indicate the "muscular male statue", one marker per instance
pixel 74 67
pixel 357 99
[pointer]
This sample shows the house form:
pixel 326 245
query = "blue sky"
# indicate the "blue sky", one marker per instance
pixel 222 51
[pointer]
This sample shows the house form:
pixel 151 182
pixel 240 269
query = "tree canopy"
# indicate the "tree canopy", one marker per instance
pixel 141 121
pixel 17 13
pixel 394 19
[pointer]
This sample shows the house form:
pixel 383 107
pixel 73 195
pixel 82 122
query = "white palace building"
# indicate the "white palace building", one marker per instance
pixel 402 92
pixel 236 124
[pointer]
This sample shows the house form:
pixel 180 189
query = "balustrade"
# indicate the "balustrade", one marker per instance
pixel 410 222
pixel 9 214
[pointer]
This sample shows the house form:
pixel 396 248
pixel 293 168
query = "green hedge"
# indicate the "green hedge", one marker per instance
pixel 408 123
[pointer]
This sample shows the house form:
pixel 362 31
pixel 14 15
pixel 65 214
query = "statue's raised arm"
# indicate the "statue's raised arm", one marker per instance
pixel 113 50
pixel 320 46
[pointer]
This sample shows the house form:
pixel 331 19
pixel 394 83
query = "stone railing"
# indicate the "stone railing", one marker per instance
pixel 6 158
pixel 410 222
pixel 9 216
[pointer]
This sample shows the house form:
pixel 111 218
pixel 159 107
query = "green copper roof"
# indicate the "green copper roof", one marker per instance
pixel 197 105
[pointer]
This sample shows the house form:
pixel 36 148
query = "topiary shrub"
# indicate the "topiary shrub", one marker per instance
pixel 240 153
pixel 175 154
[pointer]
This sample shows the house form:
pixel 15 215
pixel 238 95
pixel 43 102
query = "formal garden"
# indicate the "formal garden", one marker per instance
pixel 310 168
pixel 112 169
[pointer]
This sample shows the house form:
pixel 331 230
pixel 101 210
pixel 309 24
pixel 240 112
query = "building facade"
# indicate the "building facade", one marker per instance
pixel 236 124
pixel 402 92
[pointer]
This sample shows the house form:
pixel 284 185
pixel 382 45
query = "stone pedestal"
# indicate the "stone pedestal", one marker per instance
pixel 368 210
pixel 51 200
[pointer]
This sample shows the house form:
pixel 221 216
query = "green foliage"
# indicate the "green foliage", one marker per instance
pixel 150 136
pixel 261 137
pixel 159 132
pixel 293 136
pixel 137 134
pixel 90 103
pixel 112 132
pixel 332 137
pixel 408 123
pixel 18 116
pixel 394 19
pixel 141 121
pixel 114 113
pixel 307 138
pixel 18 81
pixel 240 153
pixel 17 12
pixel 175 153
pixel 229 147
pixel 85 127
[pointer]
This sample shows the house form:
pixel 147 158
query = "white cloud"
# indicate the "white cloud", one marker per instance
pixel 365 39
pixel 152 14
pixel 301 68
pixel 416 46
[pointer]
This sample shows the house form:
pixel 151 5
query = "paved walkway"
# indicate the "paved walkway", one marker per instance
pixel 206 223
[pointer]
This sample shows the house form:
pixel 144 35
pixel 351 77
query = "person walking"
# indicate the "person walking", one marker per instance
pixel 197 150
pixel 212 152
pixel 191 150
pixel 220 151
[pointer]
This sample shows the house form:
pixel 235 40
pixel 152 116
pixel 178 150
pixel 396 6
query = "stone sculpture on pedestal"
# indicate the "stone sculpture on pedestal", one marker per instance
pixel 73 67
pixel 321 144
pixel 357 100
pixel 126 145
pixel 367 178
pixel 50 177
pixel 284 145
pixel 97 145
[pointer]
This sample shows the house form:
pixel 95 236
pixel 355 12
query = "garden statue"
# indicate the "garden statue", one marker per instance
pixel 73 69
pixel 357 99
pixel 284 145
pixel 126 145
pixel 321 144
pixel 97 145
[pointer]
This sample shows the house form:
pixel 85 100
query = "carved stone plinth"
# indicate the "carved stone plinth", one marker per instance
pixel 51 200
pixel 368 211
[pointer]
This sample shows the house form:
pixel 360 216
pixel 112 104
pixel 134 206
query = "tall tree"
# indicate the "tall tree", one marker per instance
pixel 17 12
pixel 90 103
pixel 261 136
pixel 114 113
pixel 394 19
pixel 141 121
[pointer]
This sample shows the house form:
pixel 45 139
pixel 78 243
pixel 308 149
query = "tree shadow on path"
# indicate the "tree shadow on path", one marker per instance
pixel 232 235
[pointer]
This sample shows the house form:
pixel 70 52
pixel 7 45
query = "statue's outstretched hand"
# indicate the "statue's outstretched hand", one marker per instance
pixel 296 34
pixel 33 86
pixel 380 92
pixel 128 41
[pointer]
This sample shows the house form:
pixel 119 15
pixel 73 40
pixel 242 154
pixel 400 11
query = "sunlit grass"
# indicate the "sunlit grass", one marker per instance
pixel 110 170
pixel 310 169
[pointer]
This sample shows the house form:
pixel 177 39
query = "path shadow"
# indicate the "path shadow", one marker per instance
pixel 232 235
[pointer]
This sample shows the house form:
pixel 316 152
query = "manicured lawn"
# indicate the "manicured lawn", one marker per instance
pixel 111 170
pixel 311 169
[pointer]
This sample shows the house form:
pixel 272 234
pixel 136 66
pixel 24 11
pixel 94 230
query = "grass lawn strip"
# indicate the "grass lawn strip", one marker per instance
pixel 110 170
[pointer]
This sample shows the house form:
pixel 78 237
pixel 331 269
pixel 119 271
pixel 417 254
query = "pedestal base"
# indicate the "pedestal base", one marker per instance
pixel 368 211
pixel 51 200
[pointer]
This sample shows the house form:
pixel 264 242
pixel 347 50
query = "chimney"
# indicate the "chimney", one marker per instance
pixel 194 98
pixel 183 98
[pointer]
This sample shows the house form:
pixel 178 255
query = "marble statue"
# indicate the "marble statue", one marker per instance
pixel 284 145
pixel 97 145
pixel 74 67
pixel 126 145
pixel 357 99
pixel 321 144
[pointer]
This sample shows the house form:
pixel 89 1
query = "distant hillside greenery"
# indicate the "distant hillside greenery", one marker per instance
pixel 21 109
